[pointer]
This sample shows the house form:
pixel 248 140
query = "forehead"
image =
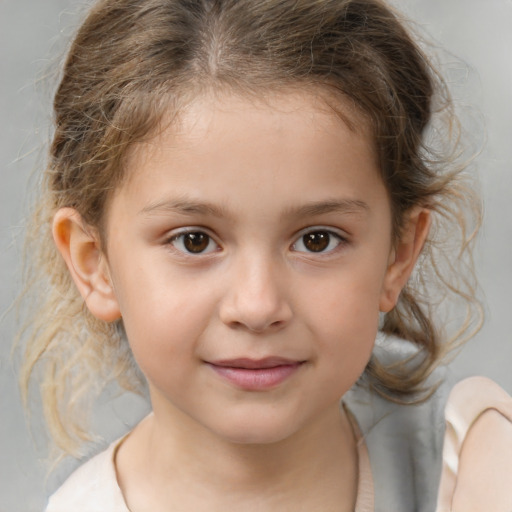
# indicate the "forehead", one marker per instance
pixel 294 141
pixel 304 113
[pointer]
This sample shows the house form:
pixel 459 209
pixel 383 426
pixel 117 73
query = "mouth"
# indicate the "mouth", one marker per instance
pixel 256 374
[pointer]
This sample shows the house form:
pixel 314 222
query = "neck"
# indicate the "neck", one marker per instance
pixel 272 476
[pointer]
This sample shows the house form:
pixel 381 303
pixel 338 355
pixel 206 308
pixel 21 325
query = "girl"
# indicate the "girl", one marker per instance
pixel 239 193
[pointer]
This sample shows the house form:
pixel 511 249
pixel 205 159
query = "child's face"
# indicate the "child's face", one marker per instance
pixel 250 254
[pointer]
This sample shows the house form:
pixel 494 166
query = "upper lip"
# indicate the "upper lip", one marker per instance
pixel 255 364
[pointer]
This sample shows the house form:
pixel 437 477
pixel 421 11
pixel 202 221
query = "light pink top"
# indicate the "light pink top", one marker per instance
pixel 365 495
pixel 470 402
pixel 92 487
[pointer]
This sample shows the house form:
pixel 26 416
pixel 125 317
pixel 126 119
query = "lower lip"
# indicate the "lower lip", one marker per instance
pixel 257 379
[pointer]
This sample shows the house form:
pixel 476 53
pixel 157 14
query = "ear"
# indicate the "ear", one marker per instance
pixel 80 247
pixel 404 256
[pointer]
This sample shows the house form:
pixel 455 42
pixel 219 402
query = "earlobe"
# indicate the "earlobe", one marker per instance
pixel 81 250
pixel 404 256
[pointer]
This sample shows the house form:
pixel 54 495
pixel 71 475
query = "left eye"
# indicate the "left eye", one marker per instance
pixel 319 241
pixel 194 242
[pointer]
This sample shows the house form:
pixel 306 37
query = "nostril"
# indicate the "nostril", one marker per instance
pixel 278 324
pixel 255 328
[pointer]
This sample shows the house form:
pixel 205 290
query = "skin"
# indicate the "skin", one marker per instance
pixel 255 177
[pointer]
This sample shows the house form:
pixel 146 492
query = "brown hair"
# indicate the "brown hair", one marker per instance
pixel 133 61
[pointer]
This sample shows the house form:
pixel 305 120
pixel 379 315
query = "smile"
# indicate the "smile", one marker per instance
pixel 256 375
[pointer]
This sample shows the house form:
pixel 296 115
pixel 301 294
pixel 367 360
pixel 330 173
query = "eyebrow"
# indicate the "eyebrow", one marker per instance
pixel 184 207
pixel 345 206
pixel 190 207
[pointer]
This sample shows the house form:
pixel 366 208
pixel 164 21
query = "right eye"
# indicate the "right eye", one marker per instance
pixel 194 242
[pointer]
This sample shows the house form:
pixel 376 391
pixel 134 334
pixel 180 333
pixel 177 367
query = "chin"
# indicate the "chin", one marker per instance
pixel 256 430
pixel 256 438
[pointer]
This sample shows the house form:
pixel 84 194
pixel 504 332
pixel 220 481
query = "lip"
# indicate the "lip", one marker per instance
pixel 256 374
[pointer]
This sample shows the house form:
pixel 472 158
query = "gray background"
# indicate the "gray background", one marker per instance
pixel 33 34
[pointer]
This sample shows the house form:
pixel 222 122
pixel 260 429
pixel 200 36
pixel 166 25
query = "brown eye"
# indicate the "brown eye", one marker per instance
pixel 316 242
pixel 319 241
pixel 194 242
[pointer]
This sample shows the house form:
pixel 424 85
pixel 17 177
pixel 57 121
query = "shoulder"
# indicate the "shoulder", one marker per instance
pixel 477 452
pixel 92 487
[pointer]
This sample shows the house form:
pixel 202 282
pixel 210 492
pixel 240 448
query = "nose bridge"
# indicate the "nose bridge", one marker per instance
pixel 257 297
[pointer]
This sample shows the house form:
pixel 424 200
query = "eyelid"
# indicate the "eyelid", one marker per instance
pixel 341 235
pixel 176 233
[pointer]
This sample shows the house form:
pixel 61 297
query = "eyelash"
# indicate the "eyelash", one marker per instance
pixel 327 237
pixel 207 245
pixel 179 239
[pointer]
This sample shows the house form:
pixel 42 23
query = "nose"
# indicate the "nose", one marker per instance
pixel 256 298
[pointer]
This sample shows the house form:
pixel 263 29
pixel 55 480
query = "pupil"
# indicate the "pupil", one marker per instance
pixel 316 242
pixel 196 242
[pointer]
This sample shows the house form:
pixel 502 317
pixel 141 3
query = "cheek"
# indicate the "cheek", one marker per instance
pixel 349 340
pixel 344 316
pixel 345 301
pixel 163 319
